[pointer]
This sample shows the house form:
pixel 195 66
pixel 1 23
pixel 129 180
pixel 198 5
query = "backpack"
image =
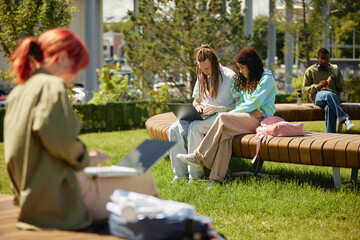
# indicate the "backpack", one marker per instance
pixel 137 216
pixel 274 126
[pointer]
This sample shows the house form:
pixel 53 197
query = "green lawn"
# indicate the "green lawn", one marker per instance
pixel 300 204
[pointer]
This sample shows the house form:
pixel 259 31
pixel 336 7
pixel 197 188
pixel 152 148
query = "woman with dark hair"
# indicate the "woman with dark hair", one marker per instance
pixel 258 91
pixel 212 94
pixel 44 157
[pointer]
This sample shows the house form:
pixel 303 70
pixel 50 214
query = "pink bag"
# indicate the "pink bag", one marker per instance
pixel 274 126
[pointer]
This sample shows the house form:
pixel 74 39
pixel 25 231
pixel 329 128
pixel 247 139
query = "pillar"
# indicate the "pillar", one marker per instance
pixel 289 47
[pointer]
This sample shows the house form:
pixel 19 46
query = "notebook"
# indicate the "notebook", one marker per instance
pixel 136 162
pixel 186 111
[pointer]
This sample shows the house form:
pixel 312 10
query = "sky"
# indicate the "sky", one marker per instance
pixel 115 10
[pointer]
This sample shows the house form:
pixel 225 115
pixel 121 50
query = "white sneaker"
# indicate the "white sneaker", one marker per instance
pixel 176 178
pixel 212 184
pixel 190 159
pixel 349 125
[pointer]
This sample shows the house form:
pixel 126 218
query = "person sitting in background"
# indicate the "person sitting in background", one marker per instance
pixel 257 90
pixel 323 86
pixel 211 95
pixel 44 157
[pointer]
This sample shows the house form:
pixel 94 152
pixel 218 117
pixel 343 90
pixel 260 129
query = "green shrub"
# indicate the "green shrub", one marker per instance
pixel 352 87
pixel 113 88
pixel 112 116
pixel 157 100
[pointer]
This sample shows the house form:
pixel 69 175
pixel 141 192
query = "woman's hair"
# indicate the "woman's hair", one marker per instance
pixel 205 52
pixel 251 58
pixel 31 52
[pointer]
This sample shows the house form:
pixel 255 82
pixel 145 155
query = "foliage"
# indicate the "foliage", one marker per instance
pixel 312 28
pixel 167 33
pixel 30 18
pixel 309 25
pixel 352 87
pixel 112 116
pixel 345 19
pixel 297 82
pixel 260 33
pixel 113 87
pixel 118 27
pixel 158 100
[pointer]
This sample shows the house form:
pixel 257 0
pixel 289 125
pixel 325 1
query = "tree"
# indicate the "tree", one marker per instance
pixel 260 33
pixel 21 18
pixel 310 26
pixel 118 27
pixel 345 22
pixel 167 33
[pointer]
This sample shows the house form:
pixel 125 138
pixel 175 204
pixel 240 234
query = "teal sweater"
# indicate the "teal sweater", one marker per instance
pixel 263 98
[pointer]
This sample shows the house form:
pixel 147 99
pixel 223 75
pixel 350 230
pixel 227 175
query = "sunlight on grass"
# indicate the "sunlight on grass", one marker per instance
pixel 300 204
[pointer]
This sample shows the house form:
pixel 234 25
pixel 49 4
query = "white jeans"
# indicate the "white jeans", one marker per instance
pixel 188 136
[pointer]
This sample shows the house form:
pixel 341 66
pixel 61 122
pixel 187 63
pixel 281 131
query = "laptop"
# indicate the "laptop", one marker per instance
pixel 136 162
pixel 186 111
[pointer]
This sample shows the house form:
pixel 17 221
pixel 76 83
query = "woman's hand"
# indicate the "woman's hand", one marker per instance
pixel 209 110
pixel 258 115
pixel 199 108
pixel 97 158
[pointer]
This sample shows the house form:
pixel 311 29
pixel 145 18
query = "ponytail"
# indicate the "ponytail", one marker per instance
pixel 31 53
pixel 23 60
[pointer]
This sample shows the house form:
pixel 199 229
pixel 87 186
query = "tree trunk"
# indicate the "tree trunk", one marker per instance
pixel 305 35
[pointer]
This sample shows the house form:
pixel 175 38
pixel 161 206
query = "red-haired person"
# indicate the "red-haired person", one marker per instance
pixel 44 157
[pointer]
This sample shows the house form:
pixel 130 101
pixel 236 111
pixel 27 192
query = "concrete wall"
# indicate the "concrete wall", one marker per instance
pixel 88 24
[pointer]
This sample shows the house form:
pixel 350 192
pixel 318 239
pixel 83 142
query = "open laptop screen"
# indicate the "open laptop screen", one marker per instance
pixel 186 111
pixel 137 161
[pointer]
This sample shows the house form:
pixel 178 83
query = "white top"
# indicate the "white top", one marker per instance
pixel 224 96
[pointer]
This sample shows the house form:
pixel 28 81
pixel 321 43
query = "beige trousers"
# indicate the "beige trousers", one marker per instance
pixel 216 148
pixel 96 191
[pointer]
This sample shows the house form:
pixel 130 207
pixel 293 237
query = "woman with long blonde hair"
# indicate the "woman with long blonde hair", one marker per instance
pixel 212 94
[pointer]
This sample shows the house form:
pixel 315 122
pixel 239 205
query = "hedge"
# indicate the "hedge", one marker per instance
pixel 106 117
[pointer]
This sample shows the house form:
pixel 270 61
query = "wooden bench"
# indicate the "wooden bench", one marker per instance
pixel 314 148
pixel 8 217
pixel 310 112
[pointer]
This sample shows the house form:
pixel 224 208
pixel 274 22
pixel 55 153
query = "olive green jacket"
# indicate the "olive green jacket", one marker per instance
pixel 313 77
pixel 42 152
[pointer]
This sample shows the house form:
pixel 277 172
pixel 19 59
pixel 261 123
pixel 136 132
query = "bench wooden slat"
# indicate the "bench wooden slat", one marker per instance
pixel 8 230
pixel 317 147
pixel 283 150
pixel 353 154
pixel 306 149
pixel 330 147
pixel 273 148
pixel 264 152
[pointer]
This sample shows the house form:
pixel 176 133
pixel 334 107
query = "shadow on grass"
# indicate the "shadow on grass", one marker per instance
pixel 314 176
pixel 351 131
